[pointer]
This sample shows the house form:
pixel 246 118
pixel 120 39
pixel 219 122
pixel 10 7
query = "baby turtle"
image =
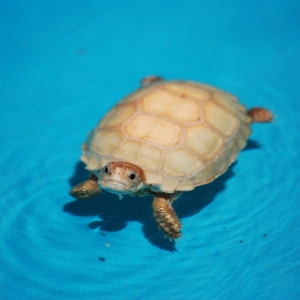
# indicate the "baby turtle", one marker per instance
pixel 166 138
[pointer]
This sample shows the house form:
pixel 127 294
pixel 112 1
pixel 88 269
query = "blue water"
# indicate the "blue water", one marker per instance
pixel 64 64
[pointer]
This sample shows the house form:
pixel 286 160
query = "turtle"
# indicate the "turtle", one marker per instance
pixel 166 138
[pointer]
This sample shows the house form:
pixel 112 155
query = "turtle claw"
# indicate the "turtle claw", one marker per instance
pixel 172 239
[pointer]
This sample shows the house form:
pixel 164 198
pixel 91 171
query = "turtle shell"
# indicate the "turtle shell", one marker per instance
pixel 182 134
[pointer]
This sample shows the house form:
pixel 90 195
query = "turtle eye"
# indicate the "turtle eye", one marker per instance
pixel 106 170
pixel 132 176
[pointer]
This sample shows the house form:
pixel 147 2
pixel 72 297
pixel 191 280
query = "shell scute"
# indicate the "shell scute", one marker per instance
pixel 220 119
pixel 179 162
pixel 170 105
pixel 186 184
pixel 140 154
pixel 117 116
pixel 152 129
pixel 188 91
pixel 204 141
pixel 205 175
pixel 105 142
pixel 227 101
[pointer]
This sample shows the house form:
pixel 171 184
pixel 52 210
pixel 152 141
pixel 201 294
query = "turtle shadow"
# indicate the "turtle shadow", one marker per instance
pixel 252 144
pixel 114 214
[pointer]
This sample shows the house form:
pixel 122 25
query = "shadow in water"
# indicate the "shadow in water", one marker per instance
pixel 251 144
pixel 115 214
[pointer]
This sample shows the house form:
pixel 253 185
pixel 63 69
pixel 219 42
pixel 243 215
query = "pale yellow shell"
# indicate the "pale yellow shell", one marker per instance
pixel 182 134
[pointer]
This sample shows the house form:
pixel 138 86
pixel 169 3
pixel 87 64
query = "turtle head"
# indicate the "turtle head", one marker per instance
pixel 121 178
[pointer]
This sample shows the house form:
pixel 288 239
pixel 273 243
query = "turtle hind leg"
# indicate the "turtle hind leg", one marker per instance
pixel 87 189
pixel 165 216
pixel 260 115
pixel 150 79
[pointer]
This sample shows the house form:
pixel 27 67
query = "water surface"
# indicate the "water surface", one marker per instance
pixel 63 66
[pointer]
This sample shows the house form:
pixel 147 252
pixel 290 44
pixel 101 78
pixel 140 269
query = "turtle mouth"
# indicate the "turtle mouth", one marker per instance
pixel 113 185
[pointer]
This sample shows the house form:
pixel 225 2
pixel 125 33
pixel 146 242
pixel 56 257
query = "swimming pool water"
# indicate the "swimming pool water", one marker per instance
pixel 63 66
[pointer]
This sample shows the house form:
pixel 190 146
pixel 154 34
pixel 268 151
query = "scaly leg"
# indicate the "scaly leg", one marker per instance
pixel 150 79
pixel 87 189
pixel 165 216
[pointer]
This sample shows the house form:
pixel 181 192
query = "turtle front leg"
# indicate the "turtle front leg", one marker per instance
pixel 87 189
pixel 165 216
